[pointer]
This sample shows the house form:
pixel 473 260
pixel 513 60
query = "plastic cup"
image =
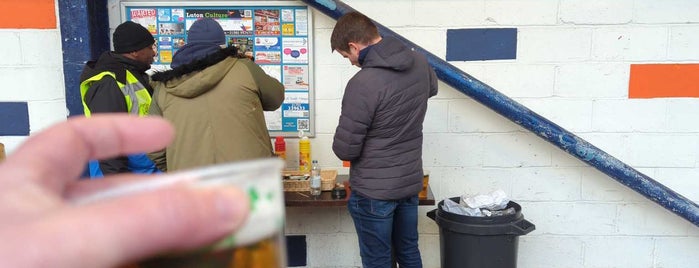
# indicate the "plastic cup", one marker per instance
pixel 258 243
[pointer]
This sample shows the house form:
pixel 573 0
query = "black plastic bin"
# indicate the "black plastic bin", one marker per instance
pixel 479 242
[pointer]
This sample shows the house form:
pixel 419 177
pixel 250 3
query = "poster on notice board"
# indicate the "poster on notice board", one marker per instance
pixel 276 36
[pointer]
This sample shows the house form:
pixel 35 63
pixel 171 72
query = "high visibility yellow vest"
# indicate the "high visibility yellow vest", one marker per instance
pixel 136 95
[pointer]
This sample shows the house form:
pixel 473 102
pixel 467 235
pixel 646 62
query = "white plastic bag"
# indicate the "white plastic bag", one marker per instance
pixel 496 200
pixel 456 208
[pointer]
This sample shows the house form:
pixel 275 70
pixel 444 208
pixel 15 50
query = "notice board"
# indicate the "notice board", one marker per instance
pixel 276 34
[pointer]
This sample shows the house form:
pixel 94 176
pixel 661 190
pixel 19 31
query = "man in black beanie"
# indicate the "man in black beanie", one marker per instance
pixel 117 83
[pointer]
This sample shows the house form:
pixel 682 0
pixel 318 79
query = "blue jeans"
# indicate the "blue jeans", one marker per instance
pixel 385 227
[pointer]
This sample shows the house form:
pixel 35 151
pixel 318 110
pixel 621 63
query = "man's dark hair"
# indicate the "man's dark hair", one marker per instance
pixel 352 27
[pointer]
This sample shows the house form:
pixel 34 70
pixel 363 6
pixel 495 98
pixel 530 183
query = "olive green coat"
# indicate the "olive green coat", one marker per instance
pixel 217 114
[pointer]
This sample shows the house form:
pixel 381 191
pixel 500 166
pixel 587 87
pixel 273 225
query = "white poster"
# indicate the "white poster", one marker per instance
pixel 295 50
pixel 296 77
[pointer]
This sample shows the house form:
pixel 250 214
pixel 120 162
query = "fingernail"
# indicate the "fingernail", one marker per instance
pixel 232 206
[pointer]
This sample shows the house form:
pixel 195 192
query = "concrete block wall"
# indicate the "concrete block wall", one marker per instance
pixel 572 67
pixel 31 71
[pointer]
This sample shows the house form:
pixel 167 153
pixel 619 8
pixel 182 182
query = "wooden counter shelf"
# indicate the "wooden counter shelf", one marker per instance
pixel 304 199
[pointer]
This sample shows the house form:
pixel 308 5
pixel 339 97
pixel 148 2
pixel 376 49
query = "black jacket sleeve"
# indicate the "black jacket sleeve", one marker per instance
pixel 104 96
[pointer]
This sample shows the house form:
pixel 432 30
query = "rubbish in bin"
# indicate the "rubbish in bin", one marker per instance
pixel 491 205
pixel 477 242
pixel 457 208
pixel 498 213
pixel 496 200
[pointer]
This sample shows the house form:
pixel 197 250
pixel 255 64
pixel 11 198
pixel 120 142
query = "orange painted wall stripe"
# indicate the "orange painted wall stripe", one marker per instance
pixel 28 14
pixel 664 81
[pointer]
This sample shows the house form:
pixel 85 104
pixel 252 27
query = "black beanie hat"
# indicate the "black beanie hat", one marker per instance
pixel 130 36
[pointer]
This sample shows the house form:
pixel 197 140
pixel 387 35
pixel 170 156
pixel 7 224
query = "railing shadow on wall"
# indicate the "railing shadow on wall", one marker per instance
pixel 537 124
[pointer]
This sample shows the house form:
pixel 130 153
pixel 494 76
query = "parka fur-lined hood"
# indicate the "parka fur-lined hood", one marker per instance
pixel 207 73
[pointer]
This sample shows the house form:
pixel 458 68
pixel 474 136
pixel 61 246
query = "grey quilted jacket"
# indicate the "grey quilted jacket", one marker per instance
pixel 380 127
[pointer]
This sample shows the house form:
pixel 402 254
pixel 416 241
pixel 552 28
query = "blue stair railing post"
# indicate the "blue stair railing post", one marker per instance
pixel 537 124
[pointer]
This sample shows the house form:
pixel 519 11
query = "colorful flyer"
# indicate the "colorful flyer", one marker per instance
pixel 178 15
pixel 165 42
pixel 244 45
pixel 165 56
pixel 296 111
pixel 295 50
pixel 287 15
pixel 267 22
pixel 171 28
pixel 233 21
pixel 288 29
pixel 296 77
pixel 268 57
pixel 145 17
pixel 178 42
pixel 267 43
pixel 239 22
pixel 164 14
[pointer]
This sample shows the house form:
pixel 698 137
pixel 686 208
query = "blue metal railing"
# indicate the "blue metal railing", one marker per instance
pixel 541 126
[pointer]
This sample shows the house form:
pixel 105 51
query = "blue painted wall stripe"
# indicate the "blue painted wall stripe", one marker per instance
pixel 481 44
pixel 14 119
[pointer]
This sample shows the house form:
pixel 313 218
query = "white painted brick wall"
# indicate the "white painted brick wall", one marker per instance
pixel 10 49
pixel 683 43
pixel 446 13
pixel 553 44
pixel 617 251
pixel 513 12
pixel 683 115
pixel 515 150
pixel 601 80
pixel 517 80
pixel 630 115
pixel 572 114
pixel 659 12
pixel 676 252
pixel 630 43
pixel 551 251
pixel 546 184
pixel 43 114
pixel 572 67
pixel 31 69
pixel 596 12
pixel 467 115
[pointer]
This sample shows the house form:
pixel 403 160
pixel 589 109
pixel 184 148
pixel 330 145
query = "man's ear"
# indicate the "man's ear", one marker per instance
pixel 351 45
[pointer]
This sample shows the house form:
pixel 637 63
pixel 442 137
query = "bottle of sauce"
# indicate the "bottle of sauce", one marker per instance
pixel 304 152
pixel 280 147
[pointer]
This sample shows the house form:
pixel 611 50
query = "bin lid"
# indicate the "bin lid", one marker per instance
pixel 513 224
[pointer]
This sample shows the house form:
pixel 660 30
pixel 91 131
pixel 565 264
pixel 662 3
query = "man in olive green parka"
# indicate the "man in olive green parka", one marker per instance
pixel 215 99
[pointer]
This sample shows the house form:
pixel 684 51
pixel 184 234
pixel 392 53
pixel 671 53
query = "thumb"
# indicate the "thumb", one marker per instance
pixel 130 228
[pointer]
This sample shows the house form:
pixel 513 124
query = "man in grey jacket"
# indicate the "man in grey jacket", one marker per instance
pixel 380 133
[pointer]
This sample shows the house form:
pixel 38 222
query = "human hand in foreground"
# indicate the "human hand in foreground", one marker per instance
pixel 41 227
